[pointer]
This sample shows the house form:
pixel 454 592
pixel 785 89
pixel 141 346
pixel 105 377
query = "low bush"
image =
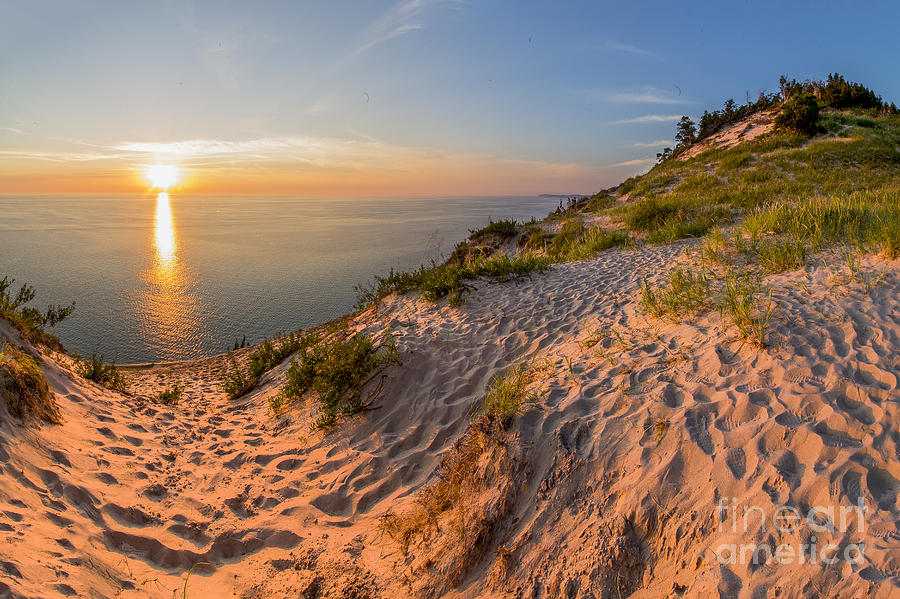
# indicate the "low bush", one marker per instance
pixel 31 322
pixel 272 353
pixel 799 114
pixel 336 370
pixel 96 370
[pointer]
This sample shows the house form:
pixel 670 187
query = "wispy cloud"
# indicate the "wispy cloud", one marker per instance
pixel 635 162
pixel 404 17
pixel 643 95
pixel 652 144
pixel 611 46
pixel 13 130
pixel 650 118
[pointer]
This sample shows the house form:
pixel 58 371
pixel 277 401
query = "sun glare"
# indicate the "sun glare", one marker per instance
pixel 162 176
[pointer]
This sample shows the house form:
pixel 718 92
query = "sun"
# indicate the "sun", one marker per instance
pixel 162 176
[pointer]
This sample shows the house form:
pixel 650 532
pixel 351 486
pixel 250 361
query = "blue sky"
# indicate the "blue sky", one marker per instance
pixel 416 96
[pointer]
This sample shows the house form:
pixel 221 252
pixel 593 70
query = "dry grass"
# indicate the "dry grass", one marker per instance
pixel 24 387
pixel 454 520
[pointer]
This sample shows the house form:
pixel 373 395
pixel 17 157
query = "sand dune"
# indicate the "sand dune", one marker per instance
pixel 647 433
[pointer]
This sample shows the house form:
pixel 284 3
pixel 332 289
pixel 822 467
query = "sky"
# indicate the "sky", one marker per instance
pixel 416 97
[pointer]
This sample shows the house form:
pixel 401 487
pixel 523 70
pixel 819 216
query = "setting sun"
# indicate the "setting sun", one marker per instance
pixel 162 176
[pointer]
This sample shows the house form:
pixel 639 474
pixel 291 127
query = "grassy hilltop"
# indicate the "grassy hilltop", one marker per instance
pixel 824 170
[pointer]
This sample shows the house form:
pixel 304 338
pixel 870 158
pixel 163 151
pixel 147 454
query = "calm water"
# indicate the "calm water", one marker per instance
pixel 166 278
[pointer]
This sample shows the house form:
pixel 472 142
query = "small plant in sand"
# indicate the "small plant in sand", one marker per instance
pixel 507 395
pixel 31 322
pixel 96 370
pixel 742 303
pixel 239 343
pixel 686 293
pixel 660 427
pixel 713 247
pixel 170 396
pixel 24 387
pixel 336 371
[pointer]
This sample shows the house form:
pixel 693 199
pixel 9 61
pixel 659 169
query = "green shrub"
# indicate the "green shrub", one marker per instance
pixel 170 396
pixel 335 371
pixel 270 354
pixel 96 370
pixel 24 387
pixel 31 322
pixel 799 114
pixel 236 381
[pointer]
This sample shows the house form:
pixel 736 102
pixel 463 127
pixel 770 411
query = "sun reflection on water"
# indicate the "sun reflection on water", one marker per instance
pixel 165 236
pixel 168 309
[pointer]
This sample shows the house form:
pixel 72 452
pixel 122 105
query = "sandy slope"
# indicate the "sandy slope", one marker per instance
pixel 125 496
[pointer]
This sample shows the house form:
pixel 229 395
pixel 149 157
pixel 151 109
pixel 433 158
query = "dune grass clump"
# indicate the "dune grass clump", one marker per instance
pixel 506 396
pixel 96 370
pixel 713 248
pixel 500 228
pixel 685 294
pixel 31 322
pixel 24 387
pixel 449 279
pixel 670 219
pixel 170 396
pixel 534 239
pixel 574 241
pixel 742 302
pixel 868 219
pixel 778 255
pixel 237 381
pixel 336 370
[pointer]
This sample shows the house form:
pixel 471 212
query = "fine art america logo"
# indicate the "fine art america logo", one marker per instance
pixel 815 526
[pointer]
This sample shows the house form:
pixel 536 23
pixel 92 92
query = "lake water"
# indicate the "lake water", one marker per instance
pixel 159 278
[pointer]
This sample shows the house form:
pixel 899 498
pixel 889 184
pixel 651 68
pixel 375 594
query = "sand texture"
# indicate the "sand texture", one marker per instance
pixel 610 483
